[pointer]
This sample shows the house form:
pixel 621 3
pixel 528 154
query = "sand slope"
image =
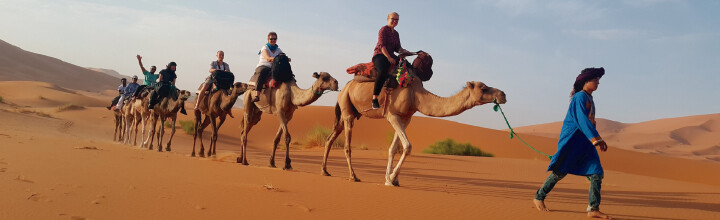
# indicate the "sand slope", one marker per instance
pixel 66 167
pixel 693 137
pixel 17 64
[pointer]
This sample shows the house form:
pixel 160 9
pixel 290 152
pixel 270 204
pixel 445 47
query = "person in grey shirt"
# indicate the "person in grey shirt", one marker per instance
pixel 218 65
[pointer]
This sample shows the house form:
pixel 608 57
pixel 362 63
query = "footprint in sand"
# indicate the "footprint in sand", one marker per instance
pixel 23 179
pixel 302 207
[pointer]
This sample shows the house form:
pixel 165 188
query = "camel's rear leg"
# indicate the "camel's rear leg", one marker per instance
pixel 348 150
pixel 200 126
pixel 276 141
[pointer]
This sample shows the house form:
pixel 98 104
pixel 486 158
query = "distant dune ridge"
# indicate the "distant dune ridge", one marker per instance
pixel 693 137
pixel 112 73
pixel 17 64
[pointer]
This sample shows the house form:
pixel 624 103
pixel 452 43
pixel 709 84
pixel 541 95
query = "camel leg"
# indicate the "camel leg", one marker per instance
pixel 348 151
pixel 161 132
pixel 213 136
pixel 205 124
pixel 151 135
pixel 399 126
pixel 214 146
pixel 196 127
pixel 247 124
pixel 145 131
pixel 128 129
pixel 172 133
pixel 115 135
pixel 284 122
pixel 136 122
pixel 392 150
pixel 200 126
pixel 328 144
pixel 276 141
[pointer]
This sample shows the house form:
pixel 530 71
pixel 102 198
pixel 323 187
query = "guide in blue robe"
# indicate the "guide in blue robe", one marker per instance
pixel 576 153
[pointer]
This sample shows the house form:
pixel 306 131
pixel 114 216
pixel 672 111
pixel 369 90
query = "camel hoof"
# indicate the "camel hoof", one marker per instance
pixel 391 184
pixel 354 179
pixel 167 149
pixel 202 154
pixel 238 160
pixel 325 173
pixel 287 168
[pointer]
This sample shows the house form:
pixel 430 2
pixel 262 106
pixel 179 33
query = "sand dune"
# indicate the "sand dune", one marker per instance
pixel 677 137
pixel 17 64
pixel 67 167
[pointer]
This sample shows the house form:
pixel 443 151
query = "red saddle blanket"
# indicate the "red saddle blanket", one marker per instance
pixel 363 69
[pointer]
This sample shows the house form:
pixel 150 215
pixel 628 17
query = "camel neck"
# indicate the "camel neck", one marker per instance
pixel 303 97
pixel 432 105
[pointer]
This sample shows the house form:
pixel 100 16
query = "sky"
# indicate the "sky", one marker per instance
pixel 662 57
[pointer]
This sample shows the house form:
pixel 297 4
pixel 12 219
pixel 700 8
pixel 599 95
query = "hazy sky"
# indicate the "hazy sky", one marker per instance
pixel 662 57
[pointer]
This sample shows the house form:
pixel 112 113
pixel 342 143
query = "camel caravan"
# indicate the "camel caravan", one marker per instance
pixel 389 88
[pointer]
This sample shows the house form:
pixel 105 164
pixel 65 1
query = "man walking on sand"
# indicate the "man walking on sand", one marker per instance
pixel 576 152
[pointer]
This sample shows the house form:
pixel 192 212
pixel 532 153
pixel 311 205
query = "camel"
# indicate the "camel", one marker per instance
pixel 217 105
pixel 166 108
pixel 281 101
pixel 139 112
pixel 354 102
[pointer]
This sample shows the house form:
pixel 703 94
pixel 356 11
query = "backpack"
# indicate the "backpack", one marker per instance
pixel 281 70
pixel 223 80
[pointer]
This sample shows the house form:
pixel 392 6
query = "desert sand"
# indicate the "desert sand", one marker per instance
pixel 64 165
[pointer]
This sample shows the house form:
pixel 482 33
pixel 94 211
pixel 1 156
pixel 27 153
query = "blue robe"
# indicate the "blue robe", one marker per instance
pixel 576 153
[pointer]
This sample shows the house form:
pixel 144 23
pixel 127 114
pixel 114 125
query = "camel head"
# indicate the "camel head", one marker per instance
pixel 324 82
pixel 184 94
pixel 240 88
pixel 483 94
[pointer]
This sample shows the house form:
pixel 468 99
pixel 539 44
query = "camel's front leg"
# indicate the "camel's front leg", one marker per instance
pixel 328 144
pixel 392 150
pixel 172 133
pixel 214 146
pixel 399 125
pixel 284 121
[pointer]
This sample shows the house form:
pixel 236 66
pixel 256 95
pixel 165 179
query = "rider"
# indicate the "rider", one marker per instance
pixel 121 91
pixel 384 55
pixel 128 92
pixel 215 67
pixel 267 55
pixel 150 76
pixel 166 81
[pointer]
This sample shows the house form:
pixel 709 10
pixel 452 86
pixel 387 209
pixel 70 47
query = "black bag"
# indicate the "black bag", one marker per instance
pixel 281 70
pixel 223 80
